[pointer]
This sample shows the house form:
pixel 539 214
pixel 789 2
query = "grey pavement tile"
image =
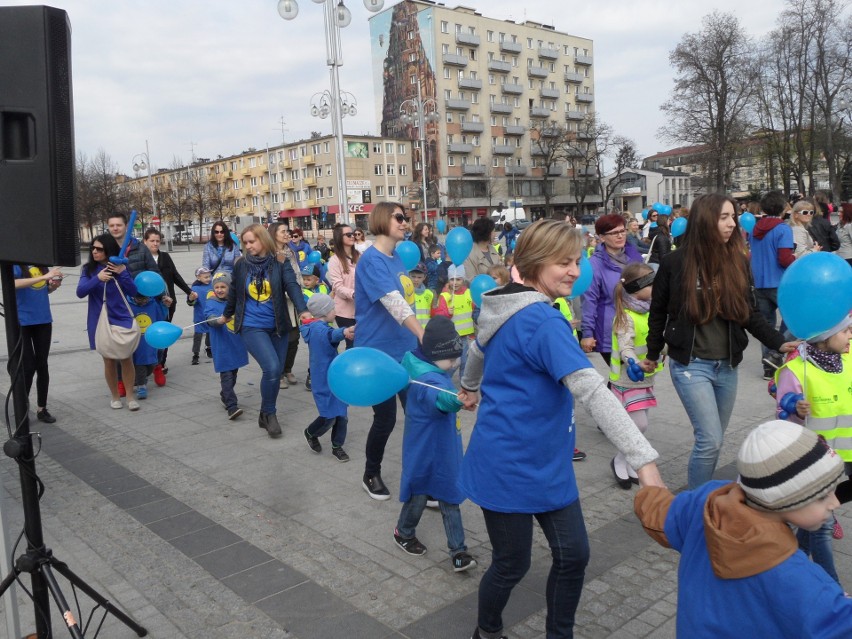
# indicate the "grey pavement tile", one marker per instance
pixel 120 485
pixel 96 468
pixel 138 497
pixel 205 540
pixel 233 559
pixel 264 580
pixel 177 525
pixel 67 451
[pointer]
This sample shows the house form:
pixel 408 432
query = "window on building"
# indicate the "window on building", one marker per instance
pixel 445 48
pixel 254 181
pixel 390 169
pixel 450 117
pixel 380 190
pixel 451 160
pixel 403 191
pixel 316 148
pixel 252 162
pixel 378 169
pixel 403 169
pixel 317 171
pixel 445 26
pixel 529 43
pixel 377 147
pixel 412 79
pixel 328 169
pixel 391 190
pixel 489 35
pixel 388 148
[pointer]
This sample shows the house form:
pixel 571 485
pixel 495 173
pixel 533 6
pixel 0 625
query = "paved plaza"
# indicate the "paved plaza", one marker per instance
pixel 200 527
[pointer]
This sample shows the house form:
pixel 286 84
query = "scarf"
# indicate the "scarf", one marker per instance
pixel 635 305
pixel 829 362
pixel 258 267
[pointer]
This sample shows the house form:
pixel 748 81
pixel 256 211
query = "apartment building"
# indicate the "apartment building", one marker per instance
pixel 485 83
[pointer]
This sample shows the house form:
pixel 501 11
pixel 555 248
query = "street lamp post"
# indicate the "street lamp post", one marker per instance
pixel 336 16
pixel 143 163
pixel 418 113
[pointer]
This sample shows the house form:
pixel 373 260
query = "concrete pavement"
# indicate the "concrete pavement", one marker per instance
pixel 201 527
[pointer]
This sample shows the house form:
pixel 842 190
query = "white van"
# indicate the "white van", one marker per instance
pixel 516 216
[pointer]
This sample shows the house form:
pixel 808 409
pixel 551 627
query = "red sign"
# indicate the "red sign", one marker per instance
pixel 155 220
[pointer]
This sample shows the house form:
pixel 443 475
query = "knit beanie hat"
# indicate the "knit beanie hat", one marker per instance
pixel 222 276
pixel 440 339
pixel 845 322
pixel 456 272
pixel 784 467
pixel 320 304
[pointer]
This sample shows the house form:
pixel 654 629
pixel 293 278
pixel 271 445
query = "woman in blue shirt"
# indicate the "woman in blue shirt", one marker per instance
pixel 32 286
pixel 220 253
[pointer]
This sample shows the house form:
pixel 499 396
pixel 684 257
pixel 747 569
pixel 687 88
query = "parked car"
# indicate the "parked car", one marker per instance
pixel 183 237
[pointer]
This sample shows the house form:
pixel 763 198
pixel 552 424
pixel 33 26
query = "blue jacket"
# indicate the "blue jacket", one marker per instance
pixel 229 350
pixel 282 280
pixel 211 260
pixel 322 340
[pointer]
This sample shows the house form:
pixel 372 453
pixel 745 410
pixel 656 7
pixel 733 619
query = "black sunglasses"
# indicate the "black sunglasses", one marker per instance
pixel 399 217
pixel 349 234
pixel 218 231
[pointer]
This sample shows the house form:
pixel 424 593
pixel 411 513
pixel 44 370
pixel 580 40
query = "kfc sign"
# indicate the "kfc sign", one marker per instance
pixel 360 208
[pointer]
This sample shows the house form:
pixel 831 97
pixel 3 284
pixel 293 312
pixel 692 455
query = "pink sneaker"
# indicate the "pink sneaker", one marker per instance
pixel 837 530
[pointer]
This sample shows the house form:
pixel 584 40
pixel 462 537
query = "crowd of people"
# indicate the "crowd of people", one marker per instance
pixel 521 356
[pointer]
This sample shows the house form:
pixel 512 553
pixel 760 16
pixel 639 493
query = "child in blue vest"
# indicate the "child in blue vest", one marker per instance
pixel 322 340
pixel 146 310
pixel 229 351
pixel 203 289
pixel 431 443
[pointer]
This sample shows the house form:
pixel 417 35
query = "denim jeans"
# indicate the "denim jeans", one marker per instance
pixel 227 380
pixel 268 350
pixel 817 545
pixel 384 419
pixel 338 426
pixel 767 304
pixel 511 542
pixel 410 515
pixel 707 390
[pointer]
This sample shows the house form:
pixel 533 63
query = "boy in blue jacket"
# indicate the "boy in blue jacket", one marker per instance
pixel 431 442
pixel 741 572
pixel 322 340
pixel 229 351
pixel 203 289
pixel 146 310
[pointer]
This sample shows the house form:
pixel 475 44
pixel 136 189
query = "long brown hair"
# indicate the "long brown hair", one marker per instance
pixel 340 251
pixel 716 274
pixel 631 272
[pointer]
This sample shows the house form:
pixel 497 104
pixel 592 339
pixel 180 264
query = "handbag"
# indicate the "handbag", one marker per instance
pixel 116 342
pixel 647 257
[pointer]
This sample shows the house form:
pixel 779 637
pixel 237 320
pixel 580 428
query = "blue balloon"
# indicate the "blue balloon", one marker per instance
pixel 666 209
pixel 410 254
pixel 441 225
pixel 479 285
pixel 459 243
pixel 679 227
pixel 658 207
pixel 162 334
pixel 364 376
pixel 747 221
pixel 815 294
pixel 314 257
pixel 645 214
pixel 583 282
pixel 512 245
pixel 150 284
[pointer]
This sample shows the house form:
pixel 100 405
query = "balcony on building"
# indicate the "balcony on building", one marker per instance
pixel 473 169
pixel 498 66
pixel 288 206
pixel 474 84
pixel 499 107
pixel 264 188
pixel 548 53
pixel 503 149
pixel 245 170
pixel 511 88
pixel 540 112
pixel 576 78
pixel 309 159
pixel 472 127
pixel 454 60
pixel 287 185
pixel 584 97
pixel 550 132
pixel 585 60
pixel 538 150
pixel 516 170
pixel 584 135
pixel 457 105
pixel 538 72
pixel 556 169
pixel 309 181
pixel 574 115
pixel 285 164
pixel 550 94
pixel 459 147
pixel 468 39
pixel 310 203
pixel 514 130
pixel 507 46
pixel 586 171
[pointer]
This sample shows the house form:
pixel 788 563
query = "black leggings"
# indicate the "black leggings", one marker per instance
pixel 36 347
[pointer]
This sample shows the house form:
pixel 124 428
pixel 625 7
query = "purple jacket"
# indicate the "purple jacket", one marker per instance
pixel 91 286
pixel 598 309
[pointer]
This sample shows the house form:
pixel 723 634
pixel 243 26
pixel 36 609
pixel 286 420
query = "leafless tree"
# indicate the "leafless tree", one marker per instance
pixel 198 193
pixel 625 156
pixel 177 197
pixel 87 200
pixel 548 139
pixel 713 87
pixel 585 150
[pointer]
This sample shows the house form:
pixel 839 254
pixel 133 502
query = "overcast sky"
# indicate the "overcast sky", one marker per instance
pixel 218 76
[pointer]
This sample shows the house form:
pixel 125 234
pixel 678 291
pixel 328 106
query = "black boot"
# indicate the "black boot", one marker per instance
pixel 272 426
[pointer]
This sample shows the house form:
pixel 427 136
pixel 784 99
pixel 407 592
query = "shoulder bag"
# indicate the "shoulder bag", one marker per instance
pixel 116 342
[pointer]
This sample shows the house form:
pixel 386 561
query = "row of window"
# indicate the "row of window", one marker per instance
pixel 503 37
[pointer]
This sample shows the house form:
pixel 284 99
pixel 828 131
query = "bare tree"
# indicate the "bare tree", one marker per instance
pixel 176 198
pixel 198 194
pixel 109 195
pixel 548 140
pixel 87 199
pixel 625 156
pixel 713 87
pixel 585 150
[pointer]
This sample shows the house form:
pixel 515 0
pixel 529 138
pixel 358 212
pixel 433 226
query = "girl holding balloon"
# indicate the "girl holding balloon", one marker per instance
pixel 703 303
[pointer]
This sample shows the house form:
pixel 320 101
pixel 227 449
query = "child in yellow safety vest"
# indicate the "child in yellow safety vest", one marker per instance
pixel 456 303
pixel 635 389
pixel 423 297
pixel 814 388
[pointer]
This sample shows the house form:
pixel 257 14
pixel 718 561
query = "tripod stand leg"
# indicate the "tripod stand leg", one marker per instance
pixel 59 598
pixel 63 569
pixel 8 581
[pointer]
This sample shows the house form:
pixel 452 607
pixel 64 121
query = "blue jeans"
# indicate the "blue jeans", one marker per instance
pixel 338 426
pixel 384 419
pixel 227 380
pixel 767 304
pixel 410 515
pixel 817 545
pixel 707 390
pixel 511 542
pixel 268 350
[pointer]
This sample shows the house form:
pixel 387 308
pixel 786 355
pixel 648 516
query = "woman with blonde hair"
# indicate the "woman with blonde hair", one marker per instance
pixel 800 221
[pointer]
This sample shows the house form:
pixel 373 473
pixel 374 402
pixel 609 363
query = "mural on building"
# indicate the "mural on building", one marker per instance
pixel 401 57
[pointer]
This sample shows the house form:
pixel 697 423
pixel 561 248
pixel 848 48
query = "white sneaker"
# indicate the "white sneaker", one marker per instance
pixel 116 403
pixel 133 404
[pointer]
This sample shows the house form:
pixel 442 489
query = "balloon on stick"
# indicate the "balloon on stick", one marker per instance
pixel 747 222
pixel 150 284
pixel 120 258
pixel 815 294
pixel 481 284
pixel 162 334
pixel 364 376
pixel 459 244
pixel 679 227
pixel 314 257
pixel 410 255
pixel 583 282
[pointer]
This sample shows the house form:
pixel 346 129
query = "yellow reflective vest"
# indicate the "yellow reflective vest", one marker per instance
pixel 617 368
pixel 423 306
pixel 564 307
pixel 461 307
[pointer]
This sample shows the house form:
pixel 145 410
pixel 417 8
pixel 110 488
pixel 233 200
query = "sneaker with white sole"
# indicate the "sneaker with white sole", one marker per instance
pixel 234 412
pixel 463 561
pixel 412 546
pixel 375 487
pixel 133 404
pixel 116 404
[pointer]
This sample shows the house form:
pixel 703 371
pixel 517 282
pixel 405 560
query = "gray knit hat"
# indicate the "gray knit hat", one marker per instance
pixel 785 467
pixel 320 304
pixel 222 276
pixel 440 339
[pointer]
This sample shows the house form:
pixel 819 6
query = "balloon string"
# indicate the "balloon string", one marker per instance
pixel 196 324
pixel 438 388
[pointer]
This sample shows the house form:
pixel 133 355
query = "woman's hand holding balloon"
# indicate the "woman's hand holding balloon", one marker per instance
pixel 789 347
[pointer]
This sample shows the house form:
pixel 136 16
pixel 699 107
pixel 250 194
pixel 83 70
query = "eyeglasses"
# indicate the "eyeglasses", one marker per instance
pixel 350 234
pixel 358 234
pixel 219 232
pixel 399 217
pixel 620 233
pixel 806 212
pixel 653 216
pixel 97 248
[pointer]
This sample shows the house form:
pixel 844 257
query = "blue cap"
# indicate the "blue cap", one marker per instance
pixel 309 269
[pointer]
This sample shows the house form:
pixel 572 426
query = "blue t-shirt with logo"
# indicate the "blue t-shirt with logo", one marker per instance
pixel 377 275
pixel 525 422
pixel 33 305
pixel 229 350
pixel 146 310
pixel 203 291
pixel 259 309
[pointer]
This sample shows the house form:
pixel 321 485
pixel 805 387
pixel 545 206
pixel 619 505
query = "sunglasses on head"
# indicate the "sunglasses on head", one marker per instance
pixel 399 217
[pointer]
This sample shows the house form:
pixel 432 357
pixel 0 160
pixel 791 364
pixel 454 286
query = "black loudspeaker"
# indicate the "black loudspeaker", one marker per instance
pixel 38 219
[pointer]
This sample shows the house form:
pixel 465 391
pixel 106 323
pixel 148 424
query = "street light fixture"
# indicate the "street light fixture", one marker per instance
pixel 419 113
pixel 144 163
pixel 337 16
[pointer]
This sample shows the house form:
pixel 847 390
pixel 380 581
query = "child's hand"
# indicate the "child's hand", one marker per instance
pixel 349 332
pixel 469 399
pixel 647 365
pixel 803 408
pixel 789 347
pixel 168 301
pixel 193 296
